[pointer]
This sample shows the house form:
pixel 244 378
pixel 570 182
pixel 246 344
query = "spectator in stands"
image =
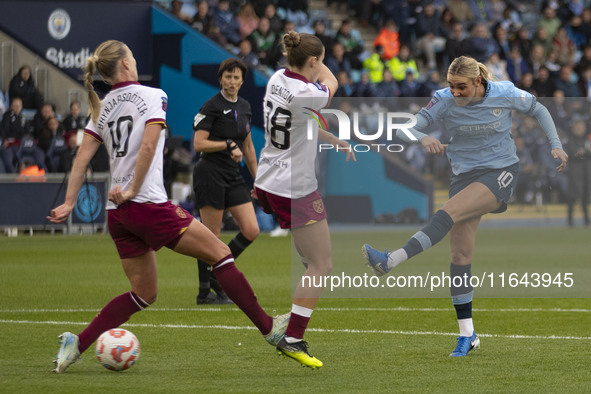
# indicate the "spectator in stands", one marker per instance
pixel 585 60
pixel 576 31
pixel 496 8
pixel 526 83
pixel 537 59
pixel 402 63
pixel 226 22
pixel 246 54
pixel 461 11
pixel 388 87
pixel 297 12
pixel 549 21
pixel 277 55
pixel 364 88
pixel 175 9
pixel 47 111
pixel 586 15
pixel 480 10
pixel 14 127
pixel 502 40
pixel 352 42
pixel 523 41
pixel 275 24
pixel 53 143
pixel 51 130
pixel 578 171
pixel 247 20
pixel 431 35
pixel 409 87
pixel 202 19
pixel 497 67
pixel 585 82
pixel 559 110
pixel 374 64
pixel 551 179
pixel 23 86
pixel 553 65
pixel 542 38
pixel 345 85
pixel 543 84
pixel 388 39
pixel 75 120
pixel 447 21
pixel 67 156
pixel 480 44
pixel 525 189
pixel 516 65
pixel 320 31
pixel 564 47
pixel 511 20
pixel 431 85
pixel 203 22
pixel 565 82
pixel 369 12
pixel 262 40
pixel 456 45
pixel 337 61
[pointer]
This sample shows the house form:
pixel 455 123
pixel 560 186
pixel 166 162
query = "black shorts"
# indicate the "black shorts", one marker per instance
pixel 219 188
pixel 500 181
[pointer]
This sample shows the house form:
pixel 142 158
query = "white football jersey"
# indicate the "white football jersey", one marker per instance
pixel 287 162
pixel 125 112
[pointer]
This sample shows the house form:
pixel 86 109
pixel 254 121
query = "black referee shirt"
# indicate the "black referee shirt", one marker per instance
pixel 224 120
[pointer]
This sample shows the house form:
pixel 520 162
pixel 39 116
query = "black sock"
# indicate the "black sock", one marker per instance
pixel 461 289
pixel 204 276
pixel 238 244
pixel 433 232
pixel 215 285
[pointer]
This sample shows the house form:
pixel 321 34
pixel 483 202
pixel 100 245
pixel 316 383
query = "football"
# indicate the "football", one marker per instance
pixel 117 349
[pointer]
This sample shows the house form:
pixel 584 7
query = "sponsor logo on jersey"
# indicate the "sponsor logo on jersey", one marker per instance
pixel 59 24
pixel 227 111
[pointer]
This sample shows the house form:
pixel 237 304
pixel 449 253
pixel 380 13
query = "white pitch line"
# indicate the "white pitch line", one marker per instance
pixel 395 309
pixel 322 330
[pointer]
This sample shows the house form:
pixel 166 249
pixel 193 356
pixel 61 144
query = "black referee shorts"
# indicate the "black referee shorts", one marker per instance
pixel 219 188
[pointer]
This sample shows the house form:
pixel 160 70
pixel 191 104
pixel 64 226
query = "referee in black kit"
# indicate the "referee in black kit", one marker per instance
pixel 222 137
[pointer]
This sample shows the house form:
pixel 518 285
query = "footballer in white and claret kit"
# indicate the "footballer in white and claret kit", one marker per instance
pixel 289 96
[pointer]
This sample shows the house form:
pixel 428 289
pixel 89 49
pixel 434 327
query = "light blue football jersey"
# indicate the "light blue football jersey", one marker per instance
pixel 480 131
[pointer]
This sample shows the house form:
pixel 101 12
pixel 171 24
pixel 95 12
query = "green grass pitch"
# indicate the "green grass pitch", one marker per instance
pixel 368 343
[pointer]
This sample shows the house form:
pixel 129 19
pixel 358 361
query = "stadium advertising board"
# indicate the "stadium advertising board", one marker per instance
pixel 66 33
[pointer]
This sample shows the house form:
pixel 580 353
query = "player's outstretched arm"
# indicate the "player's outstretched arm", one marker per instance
pixel 86 151
pixel 334 141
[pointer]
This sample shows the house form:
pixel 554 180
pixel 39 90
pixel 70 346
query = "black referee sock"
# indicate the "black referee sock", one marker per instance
pixel 433 232
pixel 204 275
pixel 238 244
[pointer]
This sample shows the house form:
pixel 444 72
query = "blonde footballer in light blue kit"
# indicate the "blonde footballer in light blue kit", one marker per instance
pixel 476 112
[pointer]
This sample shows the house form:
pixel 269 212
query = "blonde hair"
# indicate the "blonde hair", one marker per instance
pixel 105 59
pixel 300 47
pixel 468 67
